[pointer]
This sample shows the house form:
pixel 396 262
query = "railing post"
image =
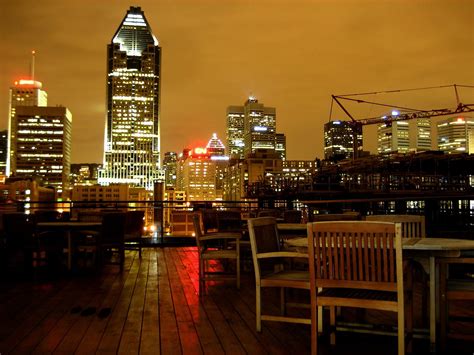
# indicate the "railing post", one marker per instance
pixel 158 194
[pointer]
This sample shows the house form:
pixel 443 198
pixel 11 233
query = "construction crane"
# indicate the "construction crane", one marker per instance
pixel 402 113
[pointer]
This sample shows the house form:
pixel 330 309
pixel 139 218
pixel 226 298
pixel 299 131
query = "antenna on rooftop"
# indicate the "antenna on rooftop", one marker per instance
pixel 32 73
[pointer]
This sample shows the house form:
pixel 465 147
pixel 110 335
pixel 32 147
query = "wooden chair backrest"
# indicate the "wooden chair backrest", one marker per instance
pixel 358 254
pixel 134 224
pixel 335 217
pixel 197 229
pixel 413 226
pixel 113 228
pixel 264 238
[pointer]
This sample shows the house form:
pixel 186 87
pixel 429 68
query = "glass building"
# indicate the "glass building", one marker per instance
pixel 339 140
pixel 132 128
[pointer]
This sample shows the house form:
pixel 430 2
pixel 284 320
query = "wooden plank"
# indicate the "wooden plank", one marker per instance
pixel 228 340
pixel 150 339
pixel 113 331
pixel 187 332
pixel 169 336
pixel 91 338
pixel 130 339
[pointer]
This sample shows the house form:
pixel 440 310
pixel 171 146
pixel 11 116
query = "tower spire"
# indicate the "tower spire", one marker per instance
pixel 32 67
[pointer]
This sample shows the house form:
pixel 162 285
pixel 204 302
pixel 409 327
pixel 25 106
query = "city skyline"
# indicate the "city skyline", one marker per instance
pixel 291 55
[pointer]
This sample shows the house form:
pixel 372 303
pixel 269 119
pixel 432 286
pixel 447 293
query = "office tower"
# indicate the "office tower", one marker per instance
pixel 393 137
pixel 235 131
pixel 3 152
pixel 339 140
pixel 132 128
pixel 456 135
pixel 169 165
pixel 215 147
pixel 196 175
pixel 422 134
pixel 40 144
pixel 25 92
pixel 280 145
pixel 259 126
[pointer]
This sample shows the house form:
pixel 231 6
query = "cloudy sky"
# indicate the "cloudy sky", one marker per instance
pixel 290 54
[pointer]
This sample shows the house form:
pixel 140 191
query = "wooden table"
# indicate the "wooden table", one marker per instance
pixel 425 250
pixel 67 227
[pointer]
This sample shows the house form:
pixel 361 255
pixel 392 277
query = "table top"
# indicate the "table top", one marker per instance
pixel 292 226
pixel 428 244
pixel 69 224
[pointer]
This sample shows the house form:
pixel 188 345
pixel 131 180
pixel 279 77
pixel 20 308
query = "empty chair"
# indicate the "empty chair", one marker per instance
pixel 215 251
pixel 111 240
pixel 454 287
pixel 134 224
pixel 292 216
pixel 356 264
pixel 271 269
pixel 413 226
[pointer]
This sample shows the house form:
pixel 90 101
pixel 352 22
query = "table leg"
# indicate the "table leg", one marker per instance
pixel 69 250
pixel 432 304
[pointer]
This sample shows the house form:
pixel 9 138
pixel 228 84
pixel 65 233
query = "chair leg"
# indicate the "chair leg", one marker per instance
pixel 314 325
pixel 258 310
pixel 332 321
pixel 201 275
pixel 401 330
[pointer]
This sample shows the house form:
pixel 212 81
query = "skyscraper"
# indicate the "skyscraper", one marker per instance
pixel 132 128
pixel 339 140
pixel 41 144
pixel 251 127
pixel 456 135
pixel 25 92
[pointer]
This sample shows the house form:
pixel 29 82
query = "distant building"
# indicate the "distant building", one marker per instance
pixel 132 129
pixel 339 140
pixel 456 135
pixel 196 175
pixel 251 127
pixel 40 144
pixel 3 152
pixel 405 136
pixel 216 150
pixel 235 132
pixel 25 92
pixel 169 165
pixel 85 173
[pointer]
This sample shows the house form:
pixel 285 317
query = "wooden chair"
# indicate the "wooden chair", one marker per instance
pixel 208 252
pixel 453 288
pixel 356 264
pixel 413 226
pixel 134 224
pixel 111 240
pixel 268 261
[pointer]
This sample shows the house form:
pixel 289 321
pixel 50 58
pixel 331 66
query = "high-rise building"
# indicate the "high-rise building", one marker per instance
pixel 404 136
pixel 40 144
pixel 197 174
pixel 3 152
pixel 25 92
pixel 235 131
pixel 456 135
pixel 252 127
pixel 132 128
pixel 339 140
pixel 169 165
pixel 259 126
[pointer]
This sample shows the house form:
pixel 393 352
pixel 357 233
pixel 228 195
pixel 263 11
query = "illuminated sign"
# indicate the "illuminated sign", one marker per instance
pixel 260 128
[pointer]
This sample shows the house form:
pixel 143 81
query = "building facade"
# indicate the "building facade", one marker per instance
pixel 405 136
pixel 3 152
pixel 132 129
pixel 456 135
pixel 339 140
pixel 25 92
pixel 40 144
pixel 169 165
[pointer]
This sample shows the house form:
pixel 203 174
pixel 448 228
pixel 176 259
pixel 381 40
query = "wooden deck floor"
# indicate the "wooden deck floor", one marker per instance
pixel 153 307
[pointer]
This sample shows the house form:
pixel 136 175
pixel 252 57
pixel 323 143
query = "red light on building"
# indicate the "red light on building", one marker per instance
pixel 27 83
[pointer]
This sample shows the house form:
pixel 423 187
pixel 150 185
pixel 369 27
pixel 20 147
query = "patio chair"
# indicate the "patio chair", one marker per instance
pixel 356 264
pixel 269 265
pixel 111 240
pixel 413 226
pixel 454 287
pixel 134 224
pixel 215 251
